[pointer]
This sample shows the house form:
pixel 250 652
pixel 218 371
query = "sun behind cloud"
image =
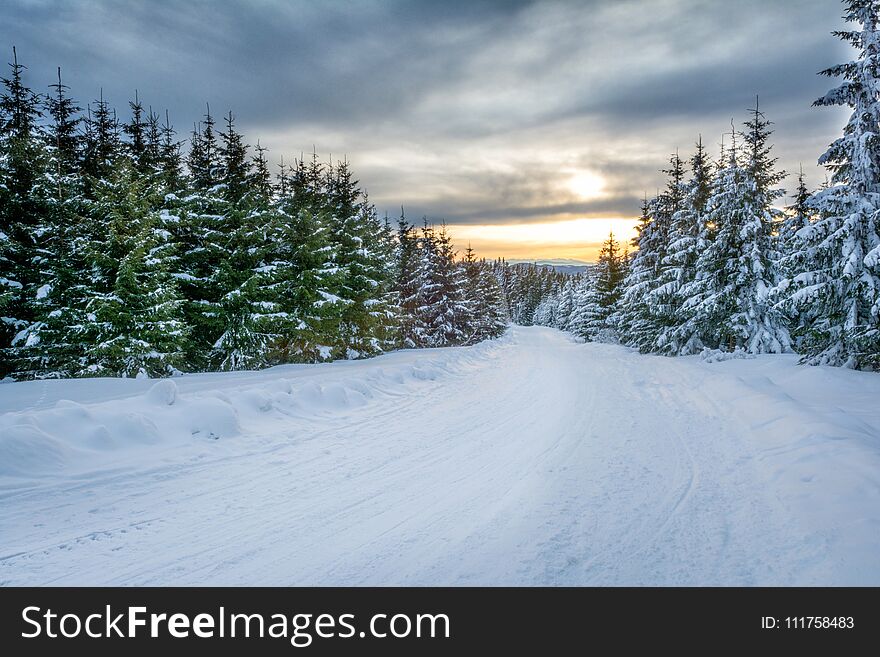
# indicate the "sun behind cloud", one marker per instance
pixel 587 185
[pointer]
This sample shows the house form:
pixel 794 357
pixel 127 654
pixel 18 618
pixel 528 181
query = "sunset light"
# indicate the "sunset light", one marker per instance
pixel 578 239
pixel 587 185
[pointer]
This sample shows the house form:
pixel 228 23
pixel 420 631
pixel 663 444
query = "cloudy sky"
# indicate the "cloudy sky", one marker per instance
pixel 531 127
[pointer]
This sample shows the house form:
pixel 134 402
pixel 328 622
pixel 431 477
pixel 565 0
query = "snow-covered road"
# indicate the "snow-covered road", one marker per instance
pixel 529 460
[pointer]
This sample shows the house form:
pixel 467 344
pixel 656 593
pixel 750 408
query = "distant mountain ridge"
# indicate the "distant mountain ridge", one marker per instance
pixel 560 265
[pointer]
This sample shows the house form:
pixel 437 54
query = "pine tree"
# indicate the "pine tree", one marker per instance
pixel 242 343
pixel 47 347
pixel 798 215
pixel 452 310
pixel 688 237
pixel 170 158
pixel 363 292
pixel 135 318
pixel 837 257
pixel 407 275
pixel 136 129
pixel 587 318
pixel 298 316
pixel 199 227
pixel 260 180
pixel 427 314
pixel 728 304
pixel 487 315
pixel 611 272
pixel 636 324
pixel 102 143
pixel 24 191
pixel 235 170
pixel 565 304
pixel 62 133
pixel 204 159
pixel 491 311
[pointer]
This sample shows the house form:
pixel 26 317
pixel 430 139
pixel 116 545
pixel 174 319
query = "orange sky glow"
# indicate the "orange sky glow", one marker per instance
pixel 577 239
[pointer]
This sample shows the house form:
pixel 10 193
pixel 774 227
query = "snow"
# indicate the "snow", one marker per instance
pixel 531 459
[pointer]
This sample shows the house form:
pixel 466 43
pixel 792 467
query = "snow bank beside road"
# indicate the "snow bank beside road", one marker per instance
pixel 152 421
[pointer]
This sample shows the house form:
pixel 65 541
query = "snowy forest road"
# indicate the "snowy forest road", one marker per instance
pixel 529 460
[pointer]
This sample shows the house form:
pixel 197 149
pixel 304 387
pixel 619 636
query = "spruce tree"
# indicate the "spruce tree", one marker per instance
pixel 170 158
pixel 636 323
pixel 62 133
pixel 798 215
pixel 587 318
pixel 728 304
pixel 136 130
pixel 49 345
pixel 102 143
pixel 835 261
pixel 688 237
pixel 363 291
pixel 24 192
pixel 135 318
pixel 407 275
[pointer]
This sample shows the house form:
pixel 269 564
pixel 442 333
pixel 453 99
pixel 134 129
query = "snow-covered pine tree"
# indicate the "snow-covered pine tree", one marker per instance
pixel 611 273
pixel 659 301
pixel 586 318
pixel 688 237
pixel 295 277
pixel 363 292
pixel 170 159
pixel 441 312
pixel 136 131
pixel 487 312
pixel 636 324
pixel 545 313
pixel 565 303
pixel 493 312
pixel 238 239
pixel 471 268
pixel 835 260
pixel 24 190
pixel 151 160
pixel 101 141
pixel 135 322
pixel 728 304
pixel 260 179
pixel 196 221
pixel 62 132
pixel 451 310
pixel 428 290
pixel 203 160
pixel 48 347
pixel 797 215
pixel 596 303
pixel 407 275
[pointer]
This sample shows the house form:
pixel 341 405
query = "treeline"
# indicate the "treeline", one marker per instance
pixel 718 266
pixel 124 254
pixel 525 286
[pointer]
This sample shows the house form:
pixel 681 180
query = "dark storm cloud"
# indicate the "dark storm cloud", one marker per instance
pixel 273 61
pixel 476 111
